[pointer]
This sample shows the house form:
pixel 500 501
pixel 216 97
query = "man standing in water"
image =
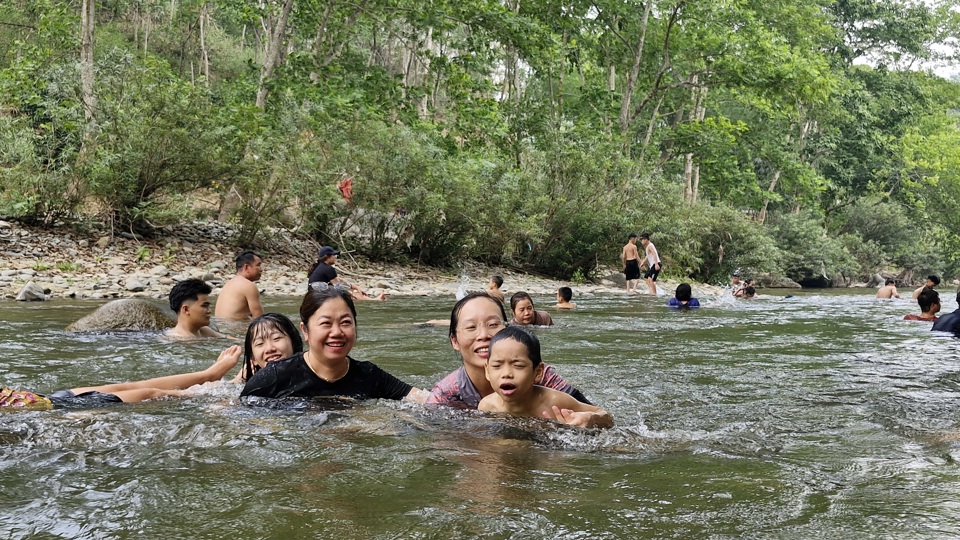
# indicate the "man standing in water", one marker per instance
pixel 630 258
pixel 888 291
pixel 239 299
pixel 653 260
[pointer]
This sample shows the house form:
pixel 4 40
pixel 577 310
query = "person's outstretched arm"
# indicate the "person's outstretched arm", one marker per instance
pixel 225 362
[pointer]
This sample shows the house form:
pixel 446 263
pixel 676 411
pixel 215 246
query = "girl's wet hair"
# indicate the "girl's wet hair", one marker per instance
pixel 316 298
pixel 517 297
pixel 458 307
pixel 528 340
pixel 264 324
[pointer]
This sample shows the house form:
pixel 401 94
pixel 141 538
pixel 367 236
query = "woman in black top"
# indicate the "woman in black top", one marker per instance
pixel 328 322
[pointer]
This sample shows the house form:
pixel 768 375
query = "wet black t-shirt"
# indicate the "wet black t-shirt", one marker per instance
pixel 292 377
pixel 323 272
pixel 948 323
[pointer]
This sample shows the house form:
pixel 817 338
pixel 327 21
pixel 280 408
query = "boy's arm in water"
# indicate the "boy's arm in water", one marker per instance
pixel 567 410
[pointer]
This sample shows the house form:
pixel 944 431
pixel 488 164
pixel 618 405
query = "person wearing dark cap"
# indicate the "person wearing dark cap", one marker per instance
pixel 324 272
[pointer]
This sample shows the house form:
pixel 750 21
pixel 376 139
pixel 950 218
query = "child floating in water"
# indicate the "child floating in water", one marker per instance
pixel 564 295
pixel 513 366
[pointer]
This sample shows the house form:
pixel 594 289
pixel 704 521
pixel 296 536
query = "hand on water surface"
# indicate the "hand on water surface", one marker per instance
pixel 584 419
pixel 569 417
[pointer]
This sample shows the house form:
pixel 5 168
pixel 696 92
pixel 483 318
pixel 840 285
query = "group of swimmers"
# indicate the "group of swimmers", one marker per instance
pixel 928 299
pixel 502 368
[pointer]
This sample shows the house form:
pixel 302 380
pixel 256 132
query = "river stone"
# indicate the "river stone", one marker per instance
pixel 777 282
pixel 876 280
pixel 159 270
pixel 127 314
pixel 31 292
pixel 135 285
pixel 103 242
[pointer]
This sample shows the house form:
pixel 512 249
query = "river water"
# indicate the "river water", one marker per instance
pixel 823 415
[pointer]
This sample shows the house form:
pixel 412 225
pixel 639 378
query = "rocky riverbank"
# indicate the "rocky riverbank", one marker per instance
pixel 100 265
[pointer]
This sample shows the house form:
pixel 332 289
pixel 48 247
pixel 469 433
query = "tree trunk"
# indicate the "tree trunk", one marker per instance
pixel 204 54
pixel 274 48
pixel 766 200
pixel 634 72
pixel 89 96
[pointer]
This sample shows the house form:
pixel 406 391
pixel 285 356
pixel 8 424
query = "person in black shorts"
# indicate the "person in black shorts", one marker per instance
pixel 653 262
pixel 630 257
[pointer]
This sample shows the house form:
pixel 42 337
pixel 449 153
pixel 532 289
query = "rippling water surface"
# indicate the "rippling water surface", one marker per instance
pixel 817 416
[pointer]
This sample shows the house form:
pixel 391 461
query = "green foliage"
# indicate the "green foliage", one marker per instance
pixel 706 242
pixel 530 134
pixel 67 266
pixel 808 252
pixel 158 136
pixel 885 227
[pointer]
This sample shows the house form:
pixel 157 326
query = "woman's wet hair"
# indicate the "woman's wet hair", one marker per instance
pixel 458 307
pixel 528 340
pixel 684 292
pixel 316 298
pixel 517 297
pixel 262 325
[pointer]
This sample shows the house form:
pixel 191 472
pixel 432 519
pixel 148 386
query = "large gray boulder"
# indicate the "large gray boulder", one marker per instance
pixel 777 282
pixel 128 314
pixel 31 292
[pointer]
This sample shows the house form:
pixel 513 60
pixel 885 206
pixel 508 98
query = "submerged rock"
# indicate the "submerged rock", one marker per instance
pixel 128 314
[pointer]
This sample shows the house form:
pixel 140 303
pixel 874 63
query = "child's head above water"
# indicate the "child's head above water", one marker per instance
pixel 565 294
pixel 514 364
pixel 529 341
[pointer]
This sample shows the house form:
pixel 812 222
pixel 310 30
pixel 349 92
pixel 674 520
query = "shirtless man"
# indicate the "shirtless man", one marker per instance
pixel 630 258
pixel 653 262
pixel 190 300
pixel 931 283
pixel 889 290
pixel 239 299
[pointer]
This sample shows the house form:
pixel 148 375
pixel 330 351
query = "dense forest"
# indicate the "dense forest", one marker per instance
pixel 805 139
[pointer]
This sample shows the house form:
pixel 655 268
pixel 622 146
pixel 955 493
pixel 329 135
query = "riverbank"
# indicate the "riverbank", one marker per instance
pixel 100 265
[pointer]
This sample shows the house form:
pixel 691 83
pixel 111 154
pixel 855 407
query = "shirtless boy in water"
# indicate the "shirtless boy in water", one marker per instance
pixel 240 299
pixel 190 300
pixel 513 366
pixel 889 290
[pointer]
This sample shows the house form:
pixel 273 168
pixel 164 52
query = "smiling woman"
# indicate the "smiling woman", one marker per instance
pixel 474 320
pixel 328 322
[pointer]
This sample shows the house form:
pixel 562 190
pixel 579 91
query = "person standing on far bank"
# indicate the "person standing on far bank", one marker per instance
pixel 652 261
pixel 239 299
pixel 630 258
